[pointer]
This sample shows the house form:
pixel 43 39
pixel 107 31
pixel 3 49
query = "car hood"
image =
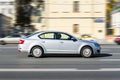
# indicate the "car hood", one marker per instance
pixel 86 41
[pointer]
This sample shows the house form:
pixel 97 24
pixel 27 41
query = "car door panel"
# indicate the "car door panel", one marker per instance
pixel 49 42
pixel 68 46
pixel 50 45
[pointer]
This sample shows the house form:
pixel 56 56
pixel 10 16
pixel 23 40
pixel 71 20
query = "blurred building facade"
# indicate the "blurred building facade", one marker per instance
pixel 73 16
pixel 5 23
pixel 76 16
pixel 37 14
pixel 7 7
pixel 7 16
pixel 115 15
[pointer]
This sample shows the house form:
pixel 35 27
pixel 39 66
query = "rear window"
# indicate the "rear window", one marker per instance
pixel 31 34
pixel 16 36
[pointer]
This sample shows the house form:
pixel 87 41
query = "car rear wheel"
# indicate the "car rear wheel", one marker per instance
pixel 2 42
pixel 86 52
pixel 37 52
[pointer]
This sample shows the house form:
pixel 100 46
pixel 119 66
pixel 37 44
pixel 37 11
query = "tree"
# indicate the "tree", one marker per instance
pixel 110 6
pixel 23 13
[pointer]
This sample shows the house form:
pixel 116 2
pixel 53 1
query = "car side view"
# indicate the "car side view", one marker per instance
pixel 13 38
pixel 46 42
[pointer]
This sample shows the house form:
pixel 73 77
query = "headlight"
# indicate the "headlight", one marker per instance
pixel 97 45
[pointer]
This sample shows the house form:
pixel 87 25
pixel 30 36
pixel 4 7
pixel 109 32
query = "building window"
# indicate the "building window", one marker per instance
pixel 10 11
pixel 76 6
pixel 75 28
pixel 3 10
pixel 99 31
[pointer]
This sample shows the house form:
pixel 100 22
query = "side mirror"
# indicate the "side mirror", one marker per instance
pixel 74 39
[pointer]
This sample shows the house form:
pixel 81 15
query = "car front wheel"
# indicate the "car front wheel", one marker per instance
pixel 118 43
pixel 37 52
pixel 86 52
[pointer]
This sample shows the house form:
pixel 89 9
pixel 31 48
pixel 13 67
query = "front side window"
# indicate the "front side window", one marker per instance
pixel 63 36
pixel 47 36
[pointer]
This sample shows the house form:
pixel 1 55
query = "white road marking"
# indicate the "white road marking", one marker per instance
pixel 60 70
pixel 115 53
pixel 110 69
pixel 36 70
pixel 109 59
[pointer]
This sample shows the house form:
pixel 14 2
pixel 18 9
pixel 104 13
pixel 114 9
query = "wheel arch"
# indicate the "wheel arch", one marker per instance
pixel 2 42
pixel 36 46
pixel 87 46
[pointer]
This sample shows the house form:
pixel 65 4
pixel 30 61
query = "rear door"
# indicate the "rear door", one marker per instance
pixel 49 42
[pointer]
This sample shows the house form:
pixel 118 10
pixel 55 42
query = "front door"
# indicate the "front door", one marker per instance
pixel 66 44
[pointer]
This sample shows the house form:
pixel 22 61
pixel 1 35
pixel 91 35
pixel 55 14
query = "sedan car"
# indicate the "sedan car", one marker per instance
pixel 46 42
pixel 117 40
pixel 13 38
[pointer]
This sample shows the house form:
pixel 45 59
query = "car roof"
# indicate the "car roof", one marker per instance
pixel 53 31
pixel 50 31
pixel 37 33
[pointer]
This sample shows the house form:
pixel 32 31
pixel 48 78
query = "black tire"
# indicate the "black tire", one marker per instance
pixel 37 52
pixel 2 42
pixel 118 43
pixel 86 52
pixel 30 55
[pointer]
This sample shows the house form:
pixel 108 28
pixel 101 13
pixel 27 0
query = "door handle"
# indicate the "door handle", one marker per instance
pixel 43 41
pixel 61 42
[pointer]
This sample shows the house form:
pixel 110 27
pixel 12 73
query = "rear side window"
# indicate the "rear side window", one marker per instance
pixel 15 35
pixel 31 34
pixel 47 36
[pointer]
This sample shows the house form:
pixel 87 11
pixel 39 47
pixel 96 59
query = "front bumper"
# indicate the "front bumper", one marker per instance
pixel 98 50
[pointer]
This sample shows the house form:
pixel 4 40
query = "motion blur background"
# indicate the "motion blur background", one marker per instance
pixel 78 17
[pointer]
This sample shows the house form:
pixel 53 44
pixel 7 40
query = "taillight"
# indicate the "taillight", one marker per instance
pixel 21 41
pixel 118 39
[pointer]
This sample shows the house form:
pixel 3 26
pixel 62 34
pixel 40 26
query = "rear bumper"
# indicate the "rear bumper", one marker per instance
pixel 22 48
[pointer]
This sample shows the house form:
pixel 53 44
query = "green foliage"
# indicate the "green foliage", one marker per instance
pixel 110 6
pixel 23 12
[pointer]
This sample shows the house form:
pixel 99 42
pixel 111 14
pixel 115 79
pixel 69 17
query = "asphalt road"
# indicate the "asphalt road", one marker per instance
pixel 17 66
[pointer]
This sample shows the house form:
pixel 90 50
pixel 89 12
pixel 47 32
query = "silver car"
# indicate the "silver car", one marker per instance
pixel 46 42
pixel 13 38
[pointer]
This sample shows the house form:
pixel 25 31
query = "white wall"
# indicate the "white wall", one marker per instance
pixel 60 16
